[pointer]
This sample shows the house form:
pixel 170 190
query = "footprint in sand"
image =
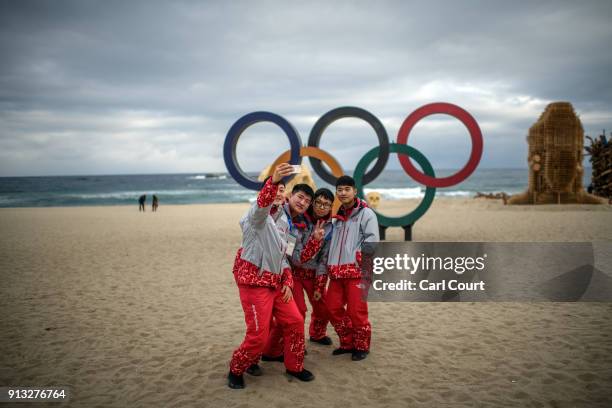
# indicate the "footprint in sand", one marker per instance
pixel 559 376
pixel 189 363
pixel 520 395
pixel 587 377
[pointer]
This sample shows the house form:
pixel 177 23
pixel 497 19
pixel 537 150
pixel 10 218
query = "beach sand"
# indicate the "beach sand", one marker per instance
pixel 141 310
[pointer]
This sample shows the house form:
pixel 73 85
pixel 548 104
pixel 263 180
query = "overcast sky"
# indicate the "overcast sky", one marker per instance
pixel 153 87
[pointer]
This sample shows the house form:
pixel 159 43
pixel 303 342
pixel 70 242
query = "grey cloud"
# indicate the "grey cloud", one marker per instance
pixel 77 74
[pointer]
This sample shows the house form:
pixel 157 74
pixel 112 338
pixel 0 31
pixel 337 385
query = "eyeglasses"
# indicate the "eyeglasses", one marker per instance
pixel 322 205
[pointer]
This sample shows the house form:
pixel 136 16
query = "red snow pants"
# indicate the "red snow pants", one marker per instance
pixel 349 292
pixel 260 305
pixel 319 316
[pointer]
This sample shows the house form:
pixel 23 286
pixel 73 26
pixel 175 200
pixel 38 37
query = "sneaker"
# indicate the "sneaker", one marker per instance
pixel 340 351
pixel 254 370
pixel 235 381
pixel 280 358
pixel 325 340
pixel 303 375
pixel 359 355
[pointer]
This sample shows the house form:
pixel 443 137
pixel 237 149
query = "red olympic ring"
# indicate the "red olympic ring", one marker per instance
pixel 458 113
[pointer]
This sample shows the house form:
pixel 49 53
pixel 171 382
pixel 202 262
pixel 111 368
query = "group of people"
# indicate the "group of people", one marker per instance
pixel 291 246
pixel 142 200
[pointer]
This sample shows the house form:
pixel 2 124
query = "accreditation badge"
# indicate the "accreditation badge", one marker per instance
pixel 290 245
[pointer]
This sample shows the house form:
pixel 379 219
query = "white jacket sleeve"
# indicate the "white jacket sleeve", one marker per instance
pixel 369 229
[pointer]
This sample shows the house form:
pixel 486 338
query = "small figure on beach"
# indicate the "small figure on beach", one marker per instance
pixel 141 202
pixel 155 203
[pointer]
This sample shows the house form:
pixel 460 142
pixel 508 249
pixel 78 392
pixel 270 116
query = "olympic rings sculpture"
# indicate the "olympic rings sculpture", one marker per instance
pixel 380 153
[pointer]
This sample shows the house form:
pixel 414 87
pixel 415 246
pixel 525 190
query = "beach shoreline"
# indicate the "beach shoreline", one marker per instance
pixel 134 309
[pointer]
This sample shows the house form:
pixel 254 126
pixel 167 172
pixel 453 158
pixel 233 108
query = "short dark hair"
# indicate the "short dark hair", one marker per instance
pixel 325 193
pixel 345 181
pixel 267 178
pixel 305 188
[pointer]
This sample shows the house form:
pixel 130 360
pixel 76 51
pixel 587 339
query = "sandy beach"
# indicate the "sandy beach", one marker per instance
pixel 141 310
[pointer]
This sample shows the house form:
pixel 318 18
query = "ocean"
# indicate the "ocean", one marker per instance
pixel 197 188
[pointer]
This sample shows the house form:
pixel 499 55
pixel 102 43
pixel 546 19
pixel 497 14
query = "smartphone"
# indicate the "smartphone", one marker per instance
pixel 296 168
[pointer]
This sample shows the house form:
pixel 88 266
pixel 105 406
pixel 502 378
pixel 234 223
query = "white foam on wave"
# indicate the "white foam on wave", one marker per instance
pixel 208 177
pixel 240 195
pixel 397 193
pixel 393 194
pixel 7 200
pixel 135 194
pixel 455 193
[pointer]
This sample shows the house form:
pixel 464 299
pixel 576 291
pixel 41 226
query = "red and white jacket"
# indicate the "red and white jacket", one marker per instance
pixel 354 230
pixel 306 259
pixel 261 259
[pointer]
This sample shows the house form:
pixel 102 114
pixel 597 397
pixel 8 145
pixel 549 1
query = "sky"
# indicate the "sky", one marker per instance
pixel 138 87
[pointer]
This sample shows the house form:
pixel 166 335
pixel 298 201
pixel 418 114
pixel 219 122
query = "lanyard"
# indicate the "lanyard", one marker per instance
pixel 329 234
pixel 288 219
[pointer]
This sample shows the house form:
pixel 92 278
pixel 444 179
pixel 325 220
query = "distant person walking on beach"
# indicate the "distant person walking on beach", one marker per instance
pixel 155 203
pixel 141 202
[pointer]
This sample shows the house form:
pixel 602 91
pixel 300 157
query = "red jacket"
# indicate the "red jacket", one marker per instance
pixel 247 272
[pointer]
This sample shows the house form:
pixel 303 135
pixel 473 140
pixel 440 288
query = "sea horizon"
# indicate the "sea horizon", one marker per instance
pixel 219 187
pixel 222 172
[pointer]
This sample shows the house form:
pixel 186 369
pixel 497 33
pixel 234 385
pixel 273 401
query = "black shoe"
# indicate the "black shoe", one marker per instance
pixel 254 370
pixel 303 375
pixel 326 341
pixel 340 351
pixel 235 381
pixel 280 358
pixel 359 355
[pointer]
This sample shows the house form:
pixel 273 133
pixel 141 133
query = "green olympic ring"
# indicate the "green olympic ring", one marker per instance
pixel 430 192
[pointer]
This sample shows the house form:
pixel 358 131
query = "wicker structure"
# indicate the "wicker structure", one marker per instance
pixel 556 143
pixel 600 151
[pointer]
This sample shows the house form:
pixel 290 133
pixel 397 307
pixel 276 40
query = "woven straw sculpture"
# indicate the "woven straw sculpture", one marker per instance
pixel 556 143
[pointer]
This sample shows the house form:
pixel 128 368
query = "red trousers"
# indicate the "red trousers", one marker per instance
pixel 260 305
pixel 349 292
pixel 319 316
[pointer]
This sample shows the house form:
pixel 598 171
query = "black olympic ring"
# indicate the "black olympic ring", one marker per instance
pixel 349 112
pixel 231 140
